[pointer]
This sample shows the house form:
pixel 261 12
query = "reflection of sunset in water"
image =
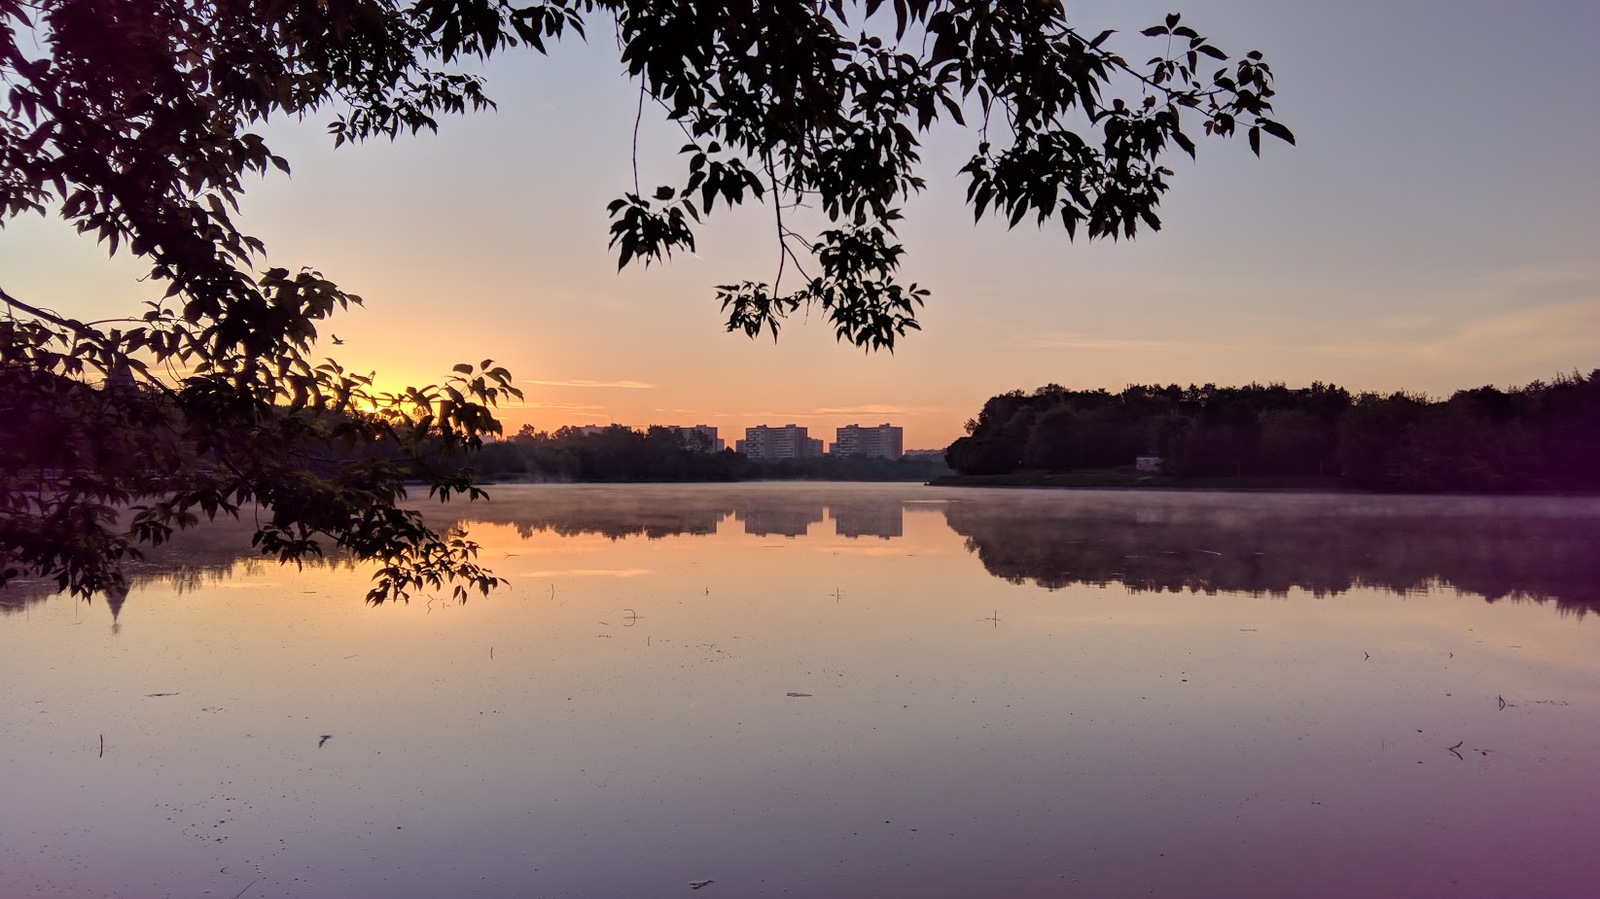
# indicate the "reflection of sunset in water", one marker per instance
pixel 769 692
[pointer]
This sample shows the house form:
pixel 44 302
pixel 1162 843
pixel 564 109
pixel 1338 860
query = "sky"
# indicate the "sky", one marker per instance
pixel 1436 228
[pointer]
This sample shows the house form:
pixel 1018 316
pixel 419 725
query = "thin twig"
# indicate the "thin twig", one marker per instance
pixel 638 116
pixel 777 210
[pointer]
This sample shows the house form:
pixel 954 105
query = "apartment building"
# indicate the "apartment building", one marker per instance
pixel 698 438
pixel 787 442
pixel 882 442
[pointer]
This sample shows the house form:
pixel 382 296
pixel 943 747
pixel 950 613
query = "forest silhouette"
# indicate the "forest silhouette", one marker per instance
pixel 1540 437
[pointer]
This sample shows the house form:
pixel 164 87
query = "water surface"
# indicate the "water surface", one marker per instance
pixel 845 690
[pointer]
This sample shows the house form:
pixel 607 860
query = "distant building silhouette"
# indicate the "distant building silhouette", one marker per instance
pixel 698 438
pixel 787 442
pixel 882 442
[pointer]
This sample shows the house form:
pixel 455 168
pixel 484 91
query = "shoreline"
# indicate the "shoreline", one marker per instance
pixel 1129 480
pixel 1104 479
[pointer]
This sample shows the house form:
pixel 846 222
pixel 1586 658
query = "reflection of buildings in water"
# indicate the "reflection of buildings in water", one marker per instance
pixel 1148 516
pixel 787 520
pixel 618 514
pixel 1259 544
pixel 883 520
pixel 617 524
pixel 610 511
pixel 1270 545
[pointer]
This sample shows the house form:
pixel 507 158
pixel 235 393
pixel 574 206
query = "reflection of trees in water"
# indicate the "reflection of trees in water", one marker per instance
pixel 216 551
pixel 182 576
pixel 1522 549
pixel 18 595
pixel 616 519
pixel 194 559
pixel 666 511
pixel 1253 543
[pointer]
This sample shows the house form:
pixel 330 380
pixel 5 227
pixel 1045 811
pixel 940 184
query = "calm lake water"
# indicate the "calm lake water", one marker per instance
pixel 835 691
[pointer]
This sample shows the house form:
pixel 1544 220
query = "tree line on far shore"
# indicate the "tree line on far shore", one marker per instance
pixel 1541 437
pixel 657 454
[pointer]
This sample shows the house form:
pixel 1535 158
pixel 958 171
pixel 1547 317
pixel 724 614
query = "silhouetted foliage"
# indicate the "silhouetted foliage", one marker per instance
pixel 131 119
pixel 1540 437
pixel 656 454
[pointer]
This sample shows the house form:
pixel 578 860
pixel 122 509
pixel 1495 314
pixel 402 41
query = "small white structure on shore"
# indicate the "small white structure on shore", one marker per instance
pixel 1151 464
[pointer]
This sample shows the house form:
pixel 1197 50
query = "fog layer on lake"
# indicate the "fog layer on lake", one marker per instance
pixel 833 690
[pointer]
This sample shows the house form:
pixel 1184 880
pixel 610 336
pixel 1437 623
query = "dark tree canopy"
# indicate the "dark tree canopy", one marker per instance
pixel 1535 438
pixel 132 120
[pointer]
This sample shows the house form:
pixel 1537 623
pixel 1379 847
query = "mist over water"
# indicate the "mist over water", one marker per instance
pixel 841 690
